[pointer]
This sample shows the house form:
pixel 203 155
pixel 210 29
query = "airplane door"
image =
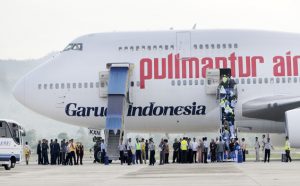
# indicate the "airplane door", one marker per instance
pixel 183 43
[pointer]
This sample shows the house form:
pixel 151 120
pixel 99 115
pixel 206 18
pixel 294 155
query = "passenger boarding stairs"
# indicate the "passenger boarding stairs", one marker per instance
pixel 219 82
pixel 117 101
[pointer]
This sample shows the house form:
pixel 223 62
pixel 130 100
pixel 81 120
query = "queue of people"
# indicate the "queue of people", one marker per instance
pixel 65 153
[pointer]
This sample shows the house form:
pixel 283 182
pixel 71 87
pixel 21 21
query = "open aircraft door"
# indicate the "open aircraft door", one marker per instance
pixel 183 44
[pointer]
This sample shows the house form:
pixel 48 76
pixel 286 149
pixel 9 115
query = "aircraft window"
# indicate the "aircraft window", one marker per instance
pixel 254 80
pixel 125 48
pixel 202 82
pixel 166 47
pixel 196 82
pixel 173 82
pixel 149 48
pixel 248 80
pixel 74 85
pixel 190 82
pixel 73 46
pixel 212 46
pixel 79 85
pixel 172 47
pixel 160 47
pixel 224 45
pixel 278 80
pixel 45 86
pixel 154 47
pixel 218 46
pixel 271 80
pixel 62 85
pixel 235 45
pixel 207 46
pixel 243 81
pixel 91 85
pixel 137 48
pixel 283 80
pixel 237 81
pixel 260 80
pixel 97 84
pixel 138 83
pixel 120 48
pixel 131 48
pixel 229 45
pixel 57 86
pixel 132 83
pixel 178 82
pixel 51 86
pixel 266 80
pixel 39 86
pixel 184 82
pixel 295 80
pixel 195 47
pixel 143 47
pixel 289 80
pixel 68 86
pixel 200 46
pixel 86 85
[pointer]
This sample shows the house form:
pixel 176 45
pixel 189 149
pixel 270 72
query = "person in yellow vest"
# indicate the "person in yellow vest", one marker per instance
pixel 287 148
pixel 27 152
pixel 72 148
pixel 143 150
pixel 184 148
pixel 138 151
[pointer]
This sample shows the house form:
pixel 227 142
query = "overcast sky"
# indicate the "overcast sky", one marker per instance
pixel 34 28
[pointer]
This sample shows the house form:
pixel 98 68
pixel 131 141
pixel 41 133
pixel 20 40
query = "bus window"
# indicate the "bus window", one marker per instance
pixel 4 130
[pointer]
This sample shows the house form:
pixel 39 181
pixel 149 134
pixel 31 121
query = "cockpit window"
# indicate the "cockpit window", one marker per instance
pixel 74 46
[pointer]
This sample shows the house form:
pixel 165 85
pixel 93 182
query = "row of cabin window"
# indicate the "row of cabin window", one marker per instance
pixel 215 46
pixel 241 81
pixel 149 47
pixel 68 85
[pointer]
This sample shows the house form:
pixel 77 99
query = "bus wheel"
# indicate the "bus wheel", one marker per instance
pixel 7 167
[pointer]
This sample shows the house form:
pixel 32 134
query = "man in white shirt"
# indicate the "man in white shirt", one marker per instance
pixel 195 148
pixel 257 147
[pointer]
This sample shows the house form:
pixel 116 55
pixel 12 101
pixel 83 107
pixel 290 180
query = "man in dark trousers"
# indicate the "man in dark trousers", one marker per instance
pixel 176 147
pixel 39 152
pixel 56 152
pixel 45 148
pixel 147 149
pixel 63 151
pixel 52 152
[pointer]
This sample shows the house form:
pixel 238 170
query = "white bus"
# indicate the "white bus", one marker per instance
pixel 11 143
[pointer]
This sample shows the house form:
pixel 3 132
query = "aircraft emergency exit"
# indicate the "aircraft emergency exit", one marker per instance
pixel 167 81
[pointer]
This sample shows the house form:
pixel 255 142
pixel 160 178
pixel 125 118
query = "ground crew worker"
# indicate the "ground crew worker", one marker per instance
pixel 257 147
pixel 129 151
pixel 143 145
pixel 27 152
pixel 138 151
pixel 152 152
pixel 287 149
pixel 72 148
pixel 121 150
pixel 263 142
pixel 243 147
pixel 268 146
pixel 103 151
pixel 184 148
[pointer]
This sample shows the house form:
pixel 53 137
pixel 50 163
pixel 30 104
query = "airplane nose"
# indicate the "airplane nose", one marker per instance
pixel 19 91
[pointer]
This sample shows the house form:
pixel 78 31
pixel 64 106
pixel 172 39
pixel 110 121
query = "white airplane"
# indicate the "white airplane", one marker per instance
pixel 168 81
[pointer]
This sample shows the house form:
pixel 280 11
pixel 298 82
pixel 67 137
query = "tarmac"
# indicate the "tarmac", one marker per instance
pixel 229 173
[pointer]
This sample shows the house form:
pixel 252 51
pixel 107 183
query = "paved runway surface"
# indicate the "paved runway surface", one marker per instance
pixel 250 173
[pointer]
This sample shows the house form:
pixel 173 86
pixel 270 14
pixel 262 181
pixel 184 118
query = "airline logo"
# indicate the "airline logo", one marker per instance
pixel 73 110
pixel 173 67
